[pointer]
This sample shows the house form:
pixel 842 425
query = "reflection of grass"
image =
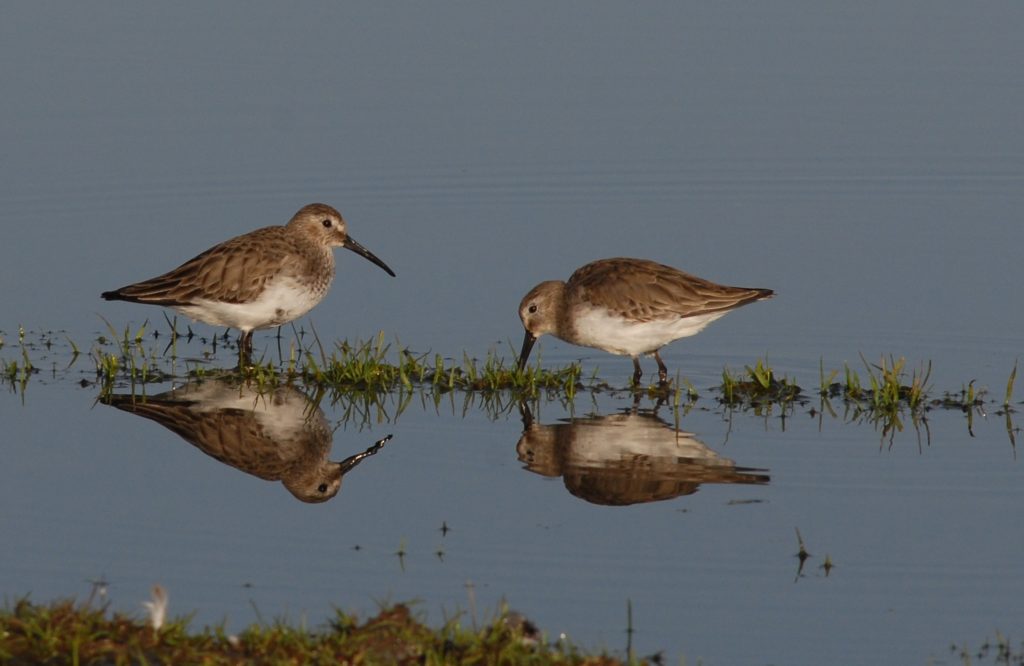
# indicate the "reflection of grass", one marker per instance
pixel 63 632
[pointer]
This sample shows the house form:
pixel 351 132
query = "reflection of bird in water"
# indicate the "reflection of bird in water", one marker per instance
pixel 278 435
pixel 625 458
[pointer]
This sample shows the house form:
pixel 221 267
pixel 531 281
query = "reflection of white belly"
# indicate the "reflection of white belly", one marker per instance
pixel 618 335
pixel 622 439
pixel 282 301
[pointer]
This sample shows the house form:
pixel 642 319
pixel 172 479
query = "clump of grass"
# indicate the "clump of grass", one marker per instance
pixel 361 367
pixel 494 375
pixel 107 366
pixel 531 380
pixel 129 362
pixel 852 389
pixel 827 387
pixel 262 375
pixel 889 389
pixel 758 386
pixel 366 367
pixel 17 373
pixel 65 632
pixel 113 368
pixel 1009 389
pixel 889 394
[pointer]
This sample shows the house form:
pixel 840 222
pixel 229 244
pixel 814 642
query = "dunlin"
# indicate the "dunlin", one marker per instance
pixel 261 279
pixel 629 307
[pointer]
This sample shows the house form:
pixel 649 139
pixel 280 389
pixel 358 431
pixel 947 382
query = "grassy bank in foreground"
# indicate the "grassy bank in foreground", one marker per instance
pixel 67 633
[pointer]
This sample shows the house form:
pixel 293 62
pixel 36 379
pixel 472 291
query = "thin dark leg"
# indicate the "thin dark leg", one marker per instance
pixel 637 372
pixel 245 348
pixel 662 370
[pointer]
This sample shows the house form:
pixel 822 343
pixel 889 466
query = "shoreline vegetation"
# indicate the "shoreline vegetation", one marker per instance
pixel 66 632
pixel 887 393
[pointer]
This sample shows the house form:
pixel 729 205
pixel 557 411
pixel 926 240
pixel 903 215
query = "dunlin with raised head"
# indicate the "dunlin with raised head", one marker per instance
pixel 261 279
pixel 628 307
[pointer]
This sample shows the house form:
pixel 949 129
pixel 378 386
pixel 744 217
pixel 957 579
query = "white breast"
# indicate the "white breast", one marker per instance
pixel 282 301
pixel 595 327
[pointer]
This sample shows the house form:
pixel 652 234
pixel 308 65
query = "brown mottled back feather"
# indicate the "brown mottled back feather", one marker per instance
pixel 236 271
pixel 645 290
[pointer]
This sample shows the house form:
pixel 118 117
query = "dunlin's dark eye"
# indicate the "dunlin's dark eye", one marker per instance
pixel 322 488
pixel 327 223
pixel 532 309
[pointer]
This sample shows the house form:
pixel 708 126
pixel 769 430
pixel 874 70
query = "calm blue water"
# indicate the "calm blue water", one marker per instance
pixel 866 162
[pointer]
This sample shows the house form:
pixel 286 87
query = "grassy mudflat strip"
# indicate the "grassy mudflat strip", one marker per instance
pixel 64 632
pixel 886 392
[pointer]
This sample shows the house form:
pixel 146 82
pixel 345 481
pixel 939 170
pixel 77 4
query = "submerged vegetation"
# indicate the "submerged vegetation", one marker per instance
pixel 65 632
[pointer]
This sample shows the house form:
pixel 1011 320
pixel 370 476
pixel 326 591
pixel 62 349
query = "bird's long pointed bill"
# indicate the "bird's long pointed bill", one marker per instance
pixel 350 462
pixel 351 244
pixel 528 341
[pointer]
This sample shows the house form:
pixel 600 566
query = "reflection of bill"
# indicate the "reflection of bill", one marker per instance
pixel 625 458
pixel 277 435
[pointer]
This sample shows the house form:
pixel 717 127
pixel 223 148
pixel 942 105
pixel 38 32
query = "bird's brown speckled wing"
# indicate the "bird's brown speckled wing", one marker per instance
pixel 236 271
pixel 645 290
